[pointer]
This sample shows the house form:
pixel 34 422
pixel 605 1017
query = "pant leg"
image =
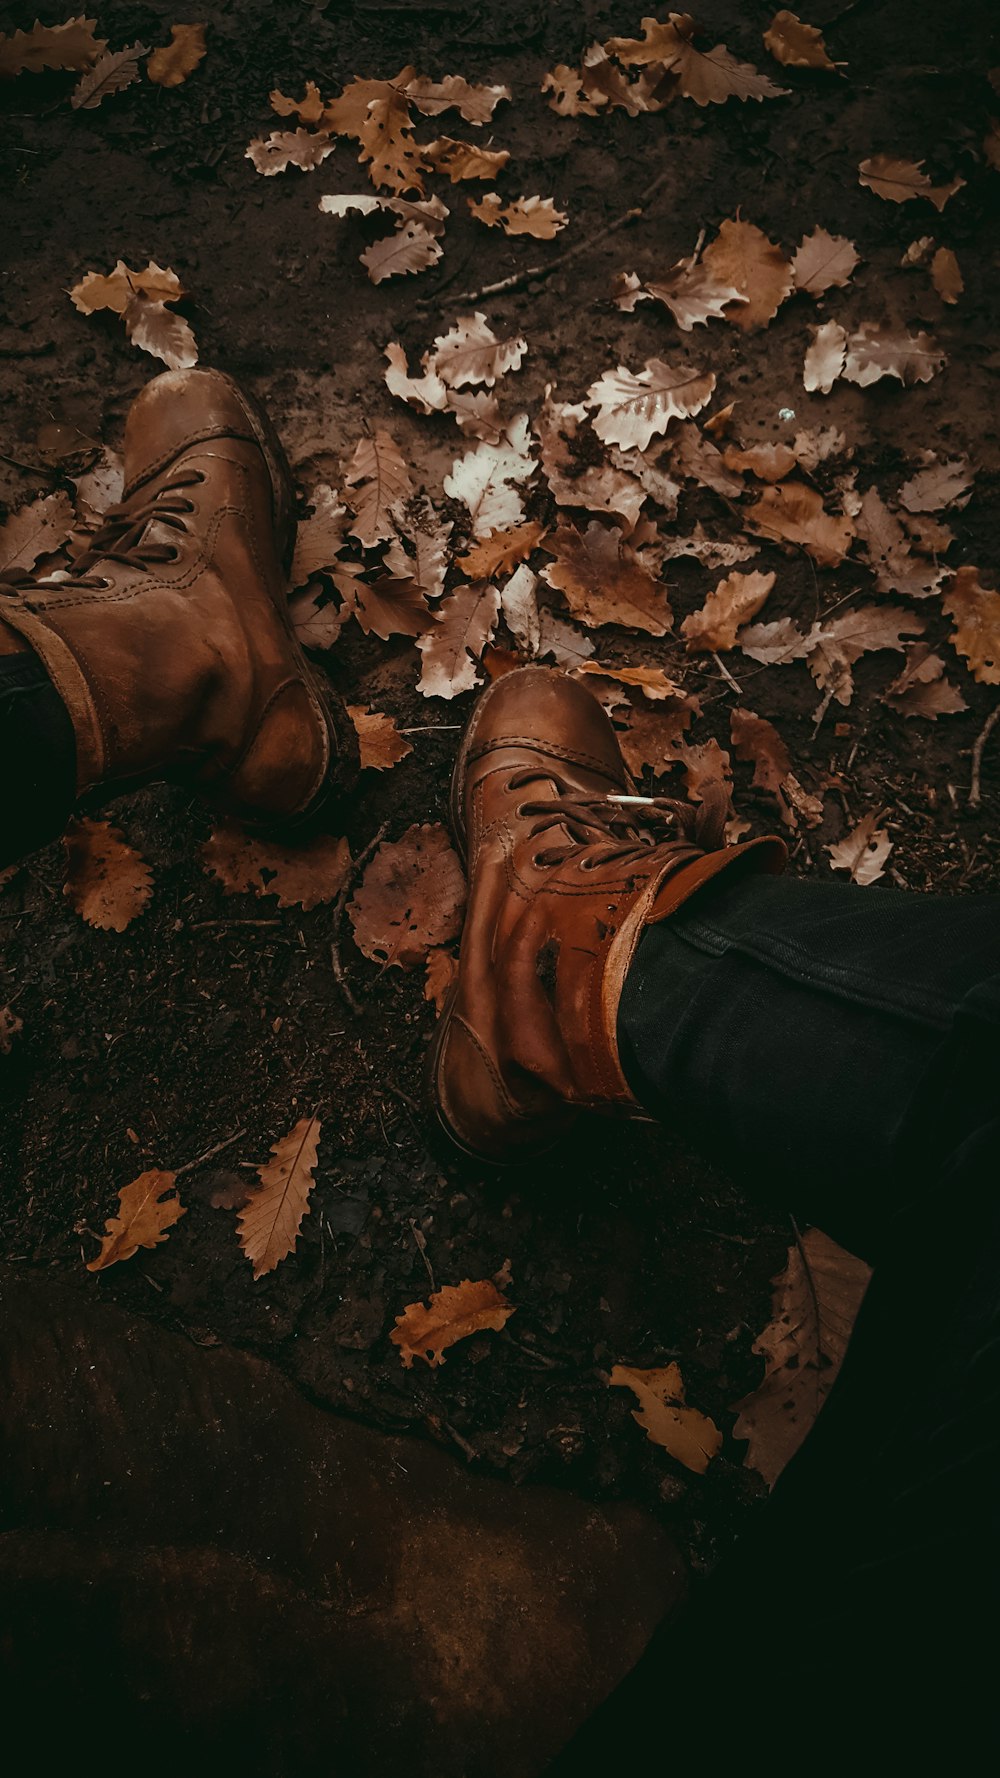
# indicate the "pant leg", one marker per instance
pixel 38 752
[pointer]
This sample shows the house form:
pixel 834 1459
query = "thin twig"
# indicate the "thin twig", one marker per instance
pixel 727 676
pixel 977 755
pixel 209 1154
pixel 418 1236
pixel 336 923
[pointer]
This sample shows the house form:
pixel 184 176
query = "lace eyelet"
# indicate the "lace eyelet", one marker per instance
pixel 539 861
pixel 586 861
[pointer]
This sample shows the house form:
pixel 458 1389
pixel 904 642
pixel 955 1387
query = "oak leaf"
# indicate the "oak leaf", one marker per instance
pixel 651 681
pixel 382 482
pixel 825 357
pixel 707 771
pixel 308 109
pixel 711 552
pixel 348 114
pixel 391 605
pixel 320 537
pixel 171 65
pixel 690 290
pixel 522 216
pixel 486 480
pixel 862 852
pixel 817 444
pixel 396 161
pixel 709 77
pixel 161 332
pixel 305 149
pixel 519 605
pixel 408 250
pixel 793 512
pixel 938 484
pixel 116 290
pixel 464 160
pixel 452 644
pixel 303 876
pixel 36 529
pixel 382 745
pixel 574 481
pixel 768 462
pixel 476 413
pixel 922 688
pixel 695 458
pixel 757 742
pixel 110 74
pixel 815 1304
pixel 946 275
pixel 440 977
pixel 569 97
pixel 874 352
pixel 476 104
pixel 742 257
pixel 896 568
pixel 562 642
pixel 145 1213
pixel 652 737
pixel 632 407
pixel 603 581
pixel 689 1436
pixel 470 353
pixel 72 45
pixel 107 883
pixel 429 538
pixel 734 602
pixel 822 260
pixel 411 898
pixel 796 45
pixel 451 1314
pixel 501 553
pixel 317 621
pixel 269 1223
pixel 653 480
pixel 427 393
pixel 975 613
pixel 898 180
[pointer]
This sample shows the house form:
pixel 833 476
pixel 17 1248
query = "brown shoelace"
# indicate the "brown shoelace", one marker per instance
pixel 629 826
pixel 120 538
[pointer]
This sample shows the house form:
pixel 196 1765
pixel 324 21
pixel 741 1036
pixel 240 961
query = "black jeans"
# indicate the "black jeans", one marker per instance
pixel 839 1048
pixel 38 751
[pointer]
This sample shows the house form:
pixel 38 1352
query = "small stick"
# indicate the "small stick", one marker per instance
pixel 977 756
pixel 339 905
pixel 727 676
pixel 209 1154
pixel 418 1237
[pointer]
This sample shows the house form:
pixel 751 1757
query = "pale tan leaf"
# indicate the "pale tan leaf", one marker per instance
pixel 302 876
pixel 569 97
pixel 825 357
pixel 817 444
pixel 500 553
pixel 975 613
pixel 441 974
pixel 796 45
pixel 895 567
pixel 654 481
pixel 171 65
pixel 734 602
pixel 815 1304
pixel 918 252
pixel 35 530
pixel 899 180
pixel 562 642
pixel 522 216
pixel 111 74
pixel 482 480
pixel 946 276
pixel 477 413
pixel 145 1213
pixel 519 605
pixel 651 681
pixel 317 623
pixel 428 563
pixel 823 260
pixel 603 581
pixel 874 352
pixel 308 109
pixel 768 462
pixel 452 1313
pixel 476 104
pixel 709 77
pixel 410 249
pixel 72 45
pixel 632 407
pixel 305 149
pixel 161 332
pixel 396 162
pixel 689 1436
pixel 938 485
pixel 427 393
pixel 381 482
pixel 382 745
pixel 696 458
pixel 464 160
pixel 116 290
pixel 268 1225
pixel 793 512
pixel 471 353
pixel 922 689
pixel 711 552
pixel 863 852
pixel 775 644
pixel 742 257
pixel 319 537
pixel 452 645
pixel 99 487
pixel 411 898
pixel 107 883
pixel 577 481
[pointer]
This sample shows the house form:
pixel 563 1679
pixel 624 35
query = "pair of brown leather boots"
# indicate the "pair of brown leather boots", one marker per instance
pixel 171 647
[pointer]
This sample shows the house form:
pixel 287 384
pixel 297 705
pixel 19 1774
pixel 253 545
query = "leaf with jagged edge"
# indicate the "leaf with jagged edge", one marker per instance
pixel 922 688
pixel 269 1223
pixel 862 852
pixel 574 481
pixel 476 104
pixel 797 45
pixel 822 260
pixel 111 74
pixel 427 393
pixel 825 357
pixel 938 484
pixel 690 291
pixel 36 529
pixel 470 353
pixel 305 149
pixel 709 77
pixel 793 512
pixel 975 614
pixel 464 160
pixel 396 161
pixel 382 482
pixel 320 537
pixel 898 180
pixel 68 46
pixel 486 480
pixel 452 646
pixel 632 407
pixel 161 332
pixel 410 249
pixel 171 65
pixel 305 875
pixel 429 538
pixel 734 602
pixel 743 257
pixel 896 568
pixel 411 898
pixel 145 1213
pixel 688 1435
pixel 874 352
pixel 116 289
pixel 603 581
pixel 308 109
pixel 452 1313
pixel 522 216
pixel 501 553
pixel 107 882
pixel 381 744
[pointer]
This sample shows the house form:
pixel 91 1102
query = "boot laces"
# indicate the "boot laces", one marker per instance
pixel 617 828
pixel 121 538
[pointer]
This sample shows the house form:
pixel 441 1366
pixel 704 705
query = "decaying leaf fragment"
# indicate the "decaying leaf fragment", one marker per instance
pixel 758 742
pixel 689 1436
pixel 825 357
pixel 742 256
pixel 112 73
pixel 796 45
pixel 441 971
pixel 161 332
pixel 411 898
pixel 146 1210
pixel 487 479
pixel 946 275
pixel 452 645
pixel 268 1224
pixel 451 1314
pixel 35 530
pixel 709 76
pixel 171 65
pixel 382 745
pixel 922 688
pixel 938 484
pixel 816 1301
pixel 522 216
pixel 633 406
pixel 874 352
pixel 975 613
pixel 302 876
pixel 603 581
pixel 305 149
pixel 107 882
pixel 470 353
pixel 897 180
pixel 381 483
pixel 734 602
pixel 793 512
pixel 72 45
pixel 862 852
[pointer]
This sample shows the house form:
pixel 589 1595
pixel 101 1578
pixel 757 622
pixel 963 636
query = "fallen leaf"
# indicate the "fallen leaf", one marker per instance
pixel 574 481
pixel 796 45
pixel 918 252
pixel 602 580
pixel 711 552
pixel 768 462
pixel 111 74
pixel 937 485
pixel 522 216
pixel 562 642
pixel 863 852
pixel 896 568
pixel 899 180
pixel 690 291
pixel 661 487
pixel 707 770
pixel 349 114
pixel 815 1304
pixel 633 407
pixel 302 876
pixel 305 149
pixel 485 480
pixel 408 250
pixel 452 1313
pixel 734 602
pixel 743 257
pixel 501 552
pixel 794 513
pixel 379 474
pixel 922 689
pixel 35 530
pixel 975 612
pixel 823 260
pixel 161 332
pixel 72 45
pixel 99 487
pixel 427 392
pixel 452 644
pixel 825 357
pixel 320 537
pixel 145 1213
pixel 816 445
pixel 696 458
pixel 709 77
pixel 874 352
pixel 471 353
pixel 689 1436
pixel 382 745
pixel 476 412
pixel 440 978
pixel 476 104
pixel 116 290
pixel 411 898
pixel 171 65
pixel 390 605
pixel 930 536
pixel 464 160
pixel 107 883
pixel 946 276
pixel 519 605
pixel 651 681
pixel 428 564
pixel 395 160
pixel 757 742
pixel 269 1223
pixel 317 622
pixel 651 739
pixel 308 109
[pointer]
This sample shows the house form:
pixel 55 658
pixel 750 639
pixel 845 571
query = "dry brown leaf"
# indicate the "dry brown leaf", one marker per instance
pixel 411 898
pixel 486 480
pixel 451 1314
pixel 171 65
pixel 502 552
pixel 476 413
pixel 390 605
pixel 35 530
pixel 317 621
pixel 161 332
pixel 348 115
pixel 269 1223
pixel 632 407
pixel 573 481
pixel 817 444
pixel 709 77
pixel 471 353
pixel 742 257
pixel 696 458
pixel 896 568
pixel 768 462
pixel 734 602
pixel 476 104
pixel 427 393
pixel 938 484
pixel 823 260
pixel 145 1213
pixel 441 975
pixel 862 852
pixel 689 1436
pixel 305 149
pixel 303 876
pixel 930 536
pixel 72 45
pixel 568 96
pixel 116 290
pixel 874 352
pixel 107 883
pixel 428 564
pixel 652 736
pixel 308 109
pixel 831 648
pixel 408 250
pixel 382 482
pixel 320 537
pixel 396 162
pixel 519 605
pixel 562 642
pixel 464 160
pixel 899 180
pixel 111 74
pixel 707 770
pixel 825 357
pixel 796 45
pixel 99 487
pixel 757 742
pixel 946 276
pixel 651 681
pixel 603 581
pixel 690 291
pixel 816 1301
pixel 522 216
pixel 382 745
pixel 793 513
pixel 922 688
pixel 975 612
pixel 452 644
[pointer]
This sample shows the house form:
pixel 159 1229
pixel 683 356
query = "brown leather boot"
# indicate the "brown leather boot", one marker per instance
pixel 567 868
pixel 169 642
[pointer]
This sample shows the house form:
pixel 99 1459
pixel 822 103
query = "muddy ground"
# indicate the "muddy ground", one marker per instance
pixel 215 1019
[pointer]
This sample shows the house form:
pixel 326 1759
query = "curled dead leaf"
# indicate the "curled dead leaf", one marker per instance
pixel 734 602
pixel 451 1314
pixel 146 1210
pixel 411 898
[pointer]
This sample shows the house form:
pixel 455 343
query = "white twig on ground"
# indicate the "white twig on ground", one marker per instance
pixel 977 756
